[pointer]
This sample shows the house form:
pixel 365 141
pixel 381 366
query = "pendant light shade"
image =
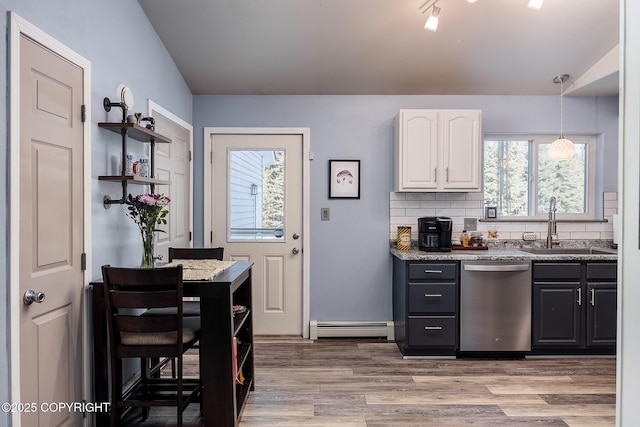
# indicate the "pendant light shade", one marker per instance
pixel 562 148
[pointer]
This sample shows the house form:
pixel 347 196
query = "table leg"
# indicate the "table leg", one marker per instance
pixel 216 362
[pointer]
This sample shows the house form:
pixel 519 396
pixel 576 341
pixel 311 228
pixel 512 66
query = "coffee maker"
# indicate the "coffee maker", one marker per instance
pixel 434 233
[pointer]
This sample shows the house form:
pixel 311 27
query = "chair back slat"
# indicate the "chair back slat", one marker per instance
pixel 147 324
pixel 147 299
pixel 196 253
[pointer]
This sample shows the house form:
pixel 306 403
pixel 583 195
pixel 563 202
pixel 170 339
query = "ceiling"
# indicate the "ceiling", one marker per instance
pixel 348 47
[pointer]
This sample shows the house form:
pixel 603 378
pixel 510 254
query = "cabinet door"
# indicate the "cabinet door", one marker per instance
pixel 461 150
pixel 417 150
pixel 557 313
pixel 601 314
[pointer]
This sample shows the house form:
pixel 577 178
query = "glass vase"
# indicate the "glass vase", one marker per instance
pixel 147 250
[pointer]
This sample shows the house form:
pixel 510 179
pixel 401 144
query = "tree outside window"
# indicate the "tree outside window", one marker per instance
pixel 520 178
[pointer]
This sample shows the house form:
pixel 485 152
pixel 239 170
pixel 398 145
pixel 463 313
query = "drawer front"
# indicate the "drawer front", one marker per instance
pixel 556 271
pixel 602 271
pixel 433 271
pixel 432 331
pixel 432 298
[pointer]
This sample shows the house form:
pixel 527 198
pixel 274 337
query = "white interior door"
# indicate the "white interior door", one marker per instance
pixel 257 213
pixel 173 163
pixel 51 236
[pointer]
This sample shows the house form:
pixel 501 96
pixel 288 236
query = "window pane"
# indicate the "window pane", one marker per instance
pixel 566 180
pixel 256 194
pixel 506 176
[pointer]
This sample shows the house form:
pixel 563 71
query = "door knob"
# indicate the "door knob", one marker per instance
pixel 295 251
pixel 32 296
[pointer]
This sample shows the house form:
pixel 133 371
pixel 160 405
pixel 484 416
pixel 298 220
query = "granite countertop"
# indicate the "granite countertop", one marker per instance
pixel 499 255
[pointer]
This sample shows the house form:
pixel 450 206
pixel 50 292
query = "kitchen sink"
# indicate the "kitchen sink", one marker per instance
pixel 569 251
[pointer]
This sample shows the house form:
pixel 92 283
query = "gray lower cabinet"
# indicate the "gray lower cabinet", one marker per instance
pixel 574 307
pixel 425 301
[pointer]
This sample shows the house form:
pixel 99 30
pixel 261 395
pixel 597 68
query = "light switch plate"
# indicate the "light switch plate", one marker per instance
pixel 471 224
pixel 324 214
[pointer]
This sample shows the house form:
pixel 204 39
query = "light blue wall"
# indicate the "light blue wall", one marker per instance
pixel 119 41
pixel 350 262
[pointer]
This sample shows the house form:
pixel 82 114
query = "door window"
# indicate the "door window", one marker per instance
pixel 256 195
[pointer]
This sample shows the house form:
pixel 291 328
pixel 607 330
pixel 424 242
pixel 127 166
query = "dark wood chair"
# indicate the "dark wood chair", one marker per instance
pixel 128 291
pixel 196 253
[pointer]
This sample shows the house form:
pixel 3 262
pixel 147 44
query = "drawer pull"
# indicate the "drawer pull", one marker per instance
pixel 433 271
pixel 433 295
pixel 433 328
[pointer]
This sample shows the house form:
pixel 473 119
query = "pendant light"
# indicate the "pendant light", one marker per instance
pixel 562 148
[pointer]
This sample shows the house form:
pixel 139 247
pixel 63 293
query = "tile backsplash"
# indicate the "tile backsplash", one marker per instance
pixel 406 208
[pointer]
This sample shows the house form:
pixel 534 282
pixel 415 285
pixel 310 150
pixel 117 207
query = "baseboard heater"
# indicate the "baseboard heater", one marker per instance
pixel 344 329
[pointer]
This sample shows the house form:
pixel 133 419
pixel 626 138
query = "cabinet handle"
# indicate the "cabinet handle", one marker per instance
pixel 433 271
pixel 447 173
pixel 593 296
pixel 435 174
pixel 579 296
pixel 433 328
pixel 433 295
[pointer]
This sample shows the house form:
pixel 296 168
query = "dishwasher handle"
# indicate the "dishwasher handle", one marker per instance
pixel 496 267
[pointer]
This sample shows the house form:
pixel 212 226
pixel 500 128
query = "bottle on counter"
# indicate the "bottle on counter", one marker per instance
pixel 464 238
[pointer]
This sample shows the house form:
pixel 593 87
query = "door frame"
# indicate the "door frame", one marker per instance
pixel 306 157
pixel 19 26
pixel 152 106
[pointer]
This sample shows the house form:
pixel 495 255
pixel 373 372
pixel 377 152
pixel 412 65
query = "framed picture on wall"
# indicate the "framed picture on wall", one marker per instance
pixel 344 179
pixel 492 212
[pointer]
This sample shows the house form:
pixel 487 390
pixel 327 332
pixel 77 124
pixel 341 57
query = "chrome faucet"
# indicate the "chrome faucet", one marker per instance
pixel 551 226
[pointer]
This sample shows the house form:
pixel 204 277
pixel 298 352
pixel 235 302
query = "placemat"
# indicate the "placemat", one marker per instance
pixel 200 269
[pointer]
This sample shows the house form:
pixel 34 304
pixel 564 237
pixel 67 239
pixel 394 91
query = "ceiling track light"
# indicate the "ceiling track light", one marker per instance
pixel 562 148
pixel 432 21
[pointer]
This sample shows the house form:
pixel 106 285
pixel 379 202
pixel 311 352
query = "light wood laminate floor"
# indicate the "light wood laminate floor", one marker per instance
pixel 367 383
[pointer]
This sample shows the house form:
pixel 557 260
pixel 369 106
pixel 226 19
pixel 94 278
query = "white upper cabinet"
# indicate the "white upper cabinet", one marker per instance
pixel 438 150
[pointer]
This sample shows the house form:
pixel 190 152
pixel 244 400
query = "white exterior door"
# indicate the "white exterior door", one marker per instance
pixel 257 216
pixel 51 234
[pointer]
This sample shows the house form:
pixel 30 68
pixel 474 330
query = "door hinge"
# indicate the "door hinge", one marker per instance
pixel 83 261
pixel 83 113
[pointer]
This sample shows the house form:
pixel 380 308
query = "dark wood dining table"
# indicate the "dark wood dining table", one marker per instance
pixel 221 401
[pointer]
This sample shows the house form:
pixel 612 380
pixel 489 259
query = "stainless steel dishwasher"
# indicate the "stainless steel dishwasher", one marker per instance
pixel 495 306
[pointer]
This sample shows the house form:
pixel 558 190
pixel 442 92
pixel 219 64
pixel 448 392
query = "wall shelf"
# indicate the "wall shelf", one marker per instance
pixel 135 131
pixel 139 133
pixel 134 179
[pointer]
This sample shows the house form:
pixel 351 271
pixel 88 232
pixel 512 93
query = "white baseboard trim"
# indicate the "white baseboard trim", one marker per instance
pixel 350 329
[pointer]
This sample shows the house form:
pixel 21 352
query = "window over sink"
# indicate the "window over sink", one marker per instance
pixel 520 178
